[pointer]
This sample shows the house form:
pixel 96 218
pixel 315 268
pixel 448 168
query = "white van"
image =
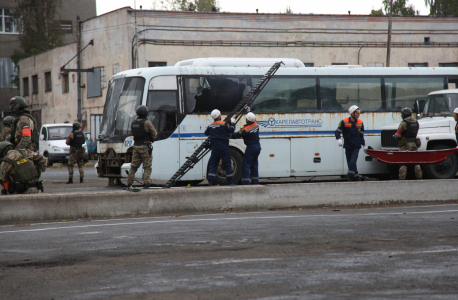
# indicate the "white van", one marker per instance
pixel 52 143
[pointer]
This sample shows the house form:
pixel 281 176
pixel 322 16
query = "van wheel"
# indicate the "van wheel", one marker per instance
pixel 444 170
pixel 236 163
pixel 49 162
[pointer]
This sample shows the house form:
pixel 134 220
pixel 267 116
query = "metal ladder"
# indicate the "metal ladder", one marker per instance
pixel 237 112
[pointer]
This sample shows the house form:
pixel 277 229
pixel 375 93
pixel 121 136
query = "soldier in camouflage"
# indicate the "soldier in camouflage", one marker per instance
pixel 6 132
pixel 24 127
pixel 76 140
pixel 144 135
pixel 407 140
pixel 21 169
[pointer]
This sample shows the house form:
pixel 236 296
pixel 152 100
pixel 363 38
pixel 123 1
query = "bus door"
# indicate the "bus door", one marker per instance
pixel 163 113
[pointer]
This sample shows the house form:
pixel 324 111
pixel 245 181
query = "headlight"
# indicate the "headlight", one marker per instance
pixel 56 149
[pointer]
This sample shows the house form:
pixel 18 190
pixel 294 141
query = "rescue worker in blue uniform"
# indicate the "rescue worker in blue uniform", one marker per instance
pixel 250 135
pixel 219 132
pixel 352 130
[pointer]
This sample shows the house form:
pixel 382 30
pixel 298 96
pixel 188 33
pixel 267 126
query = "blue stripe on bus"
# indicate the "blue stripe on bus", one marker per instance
pixel 317 132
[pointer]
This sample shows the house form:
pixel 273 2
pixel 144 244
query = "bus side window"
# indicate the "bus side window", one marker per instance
pixel 214 92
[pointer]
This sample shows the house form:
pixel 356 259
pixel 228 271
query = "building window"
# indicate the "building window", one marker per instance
pixel 309 65
pixel 25 86
pixel 427 40
pixel 35 84
pixel 48 82
pixel 448 65
pixel 6 21
pixel 377 65
pixel 339 64
pixel 103 78
pixel 157 64
pixel 94 88
pixel 65 84
pixel 417 65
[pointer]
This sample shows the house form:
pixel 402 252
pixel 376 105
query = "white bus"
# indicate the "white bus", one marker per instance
pixel 298 110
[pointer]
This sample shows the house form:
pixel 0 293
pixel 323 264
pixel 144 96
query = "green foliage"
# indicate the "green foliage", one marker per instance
pixel 288 10
pixel 442 7
pixel 40 29
pixel 376 12
pixel 184 5
pixel 400 8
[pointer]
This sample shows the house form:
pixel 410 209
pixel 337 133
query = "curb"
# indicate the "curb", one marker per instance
pixel 41 207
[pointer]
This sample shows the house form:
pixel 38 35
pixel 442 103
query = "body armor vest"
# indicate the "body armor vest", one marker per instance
pixel 78 139
pixel 24 170
pixel 411 131
pixel 139 132
pixel 14 125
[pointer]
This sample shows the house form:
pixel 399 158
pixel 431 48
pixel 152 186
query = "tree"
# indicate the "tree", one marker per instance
pixel 288 10
pixel 376 12
pixel 39 27
pixel 442 7
pixel 400 8
pixel 184 5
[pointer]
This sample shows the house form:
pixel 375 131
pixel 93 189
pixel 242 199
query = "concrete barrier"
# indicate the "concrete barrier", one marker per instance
pixel 40 207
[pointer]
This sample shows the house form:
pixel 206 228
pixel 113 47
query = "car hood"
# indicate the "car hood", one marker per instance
pixel 427 122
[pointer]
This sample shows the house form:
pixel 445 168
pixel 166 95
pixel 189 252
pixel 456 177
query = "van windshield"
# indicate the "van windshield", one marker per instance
pixel 437 106
pixel 59 132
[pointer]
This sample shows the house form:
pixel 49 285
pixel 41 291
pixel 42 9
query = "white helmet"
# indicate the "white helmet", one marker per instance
pixel 455 111
pixel 250 117
pixel 352 109
pixel 215 114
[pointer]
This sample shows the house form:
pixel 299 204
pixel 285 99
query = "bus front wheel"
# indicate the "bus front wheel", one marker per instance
pixel 236 164
pixel 443 170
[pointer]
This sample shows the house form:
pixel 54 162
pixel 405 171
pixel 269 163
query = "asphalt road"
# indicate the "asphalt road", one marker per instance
pixel 399 252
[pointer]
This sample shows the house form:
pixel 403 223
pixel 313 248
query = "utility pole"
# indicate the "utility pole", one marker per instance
pixel 78 64
pixel 388 46
pixel 136 34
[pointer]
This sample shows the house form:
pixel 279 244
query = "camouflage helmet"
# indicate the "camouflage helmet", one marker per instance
pixel 76 126
pixel 8 121
pixel 5 147
pixel 406 112
pixel 17 102
pixel 142 110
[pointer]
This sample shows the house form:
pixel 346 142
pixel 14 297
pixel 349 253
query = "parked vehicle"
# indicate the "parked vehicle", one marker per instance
pixel 437 131
pixel 52 143
pixel 298 112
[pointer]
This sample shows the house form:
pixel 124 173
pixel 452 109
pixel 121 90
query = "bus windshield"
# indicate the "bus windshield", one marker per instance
pixel 123 97
pixel 437 105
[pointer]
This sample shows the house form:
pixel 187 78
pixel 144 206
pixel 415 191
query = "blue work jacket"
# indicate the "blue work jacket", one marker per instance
pixel 353 133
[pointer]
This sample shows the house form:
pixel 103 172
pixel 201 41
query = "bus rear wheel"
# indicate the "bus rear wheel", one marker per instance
pixel 236 164
pixel 444 170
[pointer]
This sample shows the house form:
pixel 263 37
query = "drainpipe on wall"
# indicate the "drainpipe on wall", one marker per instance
pixel 388 46
pixel 78 63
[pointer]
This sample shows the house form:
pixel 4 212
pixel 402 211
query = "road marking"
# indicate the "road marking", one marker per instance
pixel 376 253
pixel 235 261
pixel 227 218
pixel 218 214
pixel 89 232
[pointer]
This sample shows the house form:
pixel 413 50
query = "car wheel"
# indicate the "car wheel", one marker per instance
pixel 443 170
pixel 236 163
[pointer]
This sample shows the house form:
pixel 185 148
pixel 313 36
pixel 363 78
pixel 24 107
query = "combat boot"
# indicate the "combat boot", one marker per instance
pixel 70 180
pixel 81 180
